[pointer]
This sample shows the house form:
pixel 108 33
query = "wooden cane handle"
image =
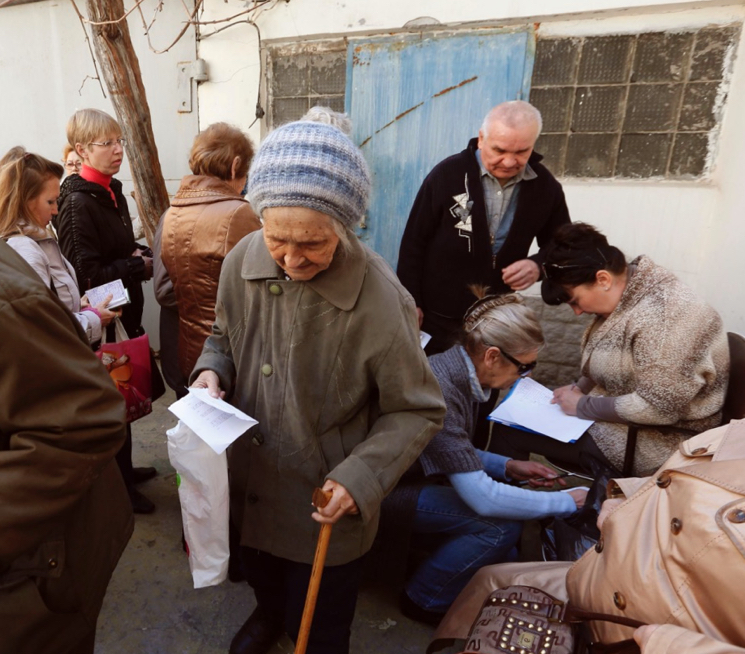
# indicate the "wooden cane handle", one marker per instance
pixel 321 497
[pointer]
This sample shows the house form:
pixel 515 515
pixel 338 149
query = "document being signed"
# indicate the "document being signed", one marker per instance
pixel 528 406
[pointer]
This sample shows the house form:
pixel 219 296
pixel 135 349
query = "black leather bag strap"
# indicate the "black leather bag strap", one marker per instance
pixel 628 646
pixel 584 642
pixel 573 614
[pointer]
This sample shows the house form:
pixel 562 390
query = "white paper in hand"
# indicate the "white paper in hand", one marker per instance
pixel 424 338
pixel 529 405
pixel 215 421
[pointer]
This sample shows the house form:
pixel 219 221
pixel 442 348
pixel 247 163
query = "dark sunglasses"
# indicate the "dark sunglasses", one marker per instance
pixel 523 369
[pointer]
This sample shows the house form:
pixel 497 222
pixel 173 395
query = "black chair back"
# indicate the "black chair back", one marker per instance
pixel 734 402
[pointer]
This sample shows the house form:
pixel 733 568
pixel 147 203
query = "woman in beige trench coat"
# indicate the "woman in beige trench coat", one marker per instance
pixel 316 339
pixel 672 553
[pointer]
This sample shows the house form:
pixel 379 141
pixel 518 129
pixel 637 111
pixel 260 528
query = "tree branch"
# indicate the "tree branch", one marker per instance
pixel 116 20
pixel 90 49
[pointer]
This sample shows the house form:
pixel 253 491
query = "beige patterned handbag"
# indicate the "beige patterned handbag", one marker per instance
pixel 526 620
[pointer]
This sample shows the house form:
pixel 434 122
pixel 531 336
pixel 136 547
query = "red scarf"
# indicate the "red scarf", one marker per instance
pixel 92 175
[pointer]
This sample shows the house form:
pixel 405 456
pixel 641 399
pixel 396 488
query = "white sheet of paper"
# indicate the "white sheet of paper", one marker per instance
pixel 529 405
pixel 424 338
pixel 215 421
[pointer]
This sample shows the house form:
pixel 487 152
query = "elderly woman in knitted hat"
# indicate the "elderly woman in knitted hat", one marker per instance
pixel 315 338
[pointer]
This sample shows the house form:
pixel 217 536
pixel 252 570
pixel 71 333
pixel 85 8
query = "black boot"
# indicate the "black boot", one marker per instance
pixel 140 475
pixel 140 503
pixel 257 635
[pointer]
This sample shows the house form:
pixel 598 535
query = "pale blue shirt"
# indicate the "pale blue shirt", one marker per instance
pixel 501 201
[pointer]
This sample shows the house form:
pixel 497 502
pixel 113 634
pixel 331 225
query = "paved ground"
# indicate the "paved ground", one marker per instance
pixel 152 608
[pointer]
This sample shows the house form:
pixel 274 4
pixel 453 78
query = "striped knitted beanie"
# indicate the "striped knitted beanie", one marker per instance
pixel 312 165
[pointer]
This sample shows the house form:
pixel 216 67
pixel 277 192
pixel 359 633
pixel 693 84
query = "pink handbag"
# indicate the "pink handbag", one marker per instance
pixel 129 364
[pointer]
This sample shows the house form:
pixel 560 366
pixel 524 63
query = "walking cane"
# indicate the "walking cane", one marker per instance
pixel 320 499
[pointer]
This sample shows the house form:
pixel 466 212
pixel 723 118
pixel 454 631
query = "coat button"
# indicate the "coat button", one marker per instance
pixel 619 600
pixel 252 498
pixel 52 563
pixel 275 289
pixel 700 450
pixel 664 480
pixel 676 525
pixel 599 545
pixel 257 439
pixel 737 516
pixel 267 370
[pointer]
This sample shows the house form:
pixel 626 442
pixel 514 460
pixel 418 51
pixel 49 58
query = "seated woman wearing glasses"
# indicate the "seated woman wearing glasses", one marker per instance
pixel 655 354
pixel 452 496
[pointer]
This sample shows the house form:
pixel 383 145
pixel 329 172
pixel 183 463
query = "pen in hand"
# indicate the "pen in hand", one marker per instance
pixel 561 476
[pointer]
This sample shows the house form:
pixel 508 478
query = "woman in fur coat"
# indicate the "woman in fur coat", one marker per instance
pixel 654 355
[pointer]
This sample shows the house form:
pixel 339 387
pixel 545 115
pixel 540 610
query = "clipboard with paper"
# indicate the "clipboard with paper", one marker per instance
pixel 528 407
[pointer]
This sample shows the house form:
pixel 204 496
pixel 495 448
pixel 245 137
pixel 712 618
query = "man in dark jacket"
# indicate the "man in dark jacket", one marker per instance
pixel 475 218
pixel 95 235
pixel 64 513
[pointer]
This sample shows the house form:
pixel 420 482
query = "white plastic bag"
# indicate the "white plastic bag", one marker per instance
pixel 203 491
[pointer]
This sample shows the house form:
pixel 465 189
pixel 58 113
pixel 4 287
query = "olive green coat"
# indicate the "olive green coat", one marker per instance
pixel 333 371
pixel 65 516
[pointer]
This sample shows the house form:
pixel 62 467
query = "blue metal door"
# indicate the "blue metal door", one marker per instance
pixel 416 100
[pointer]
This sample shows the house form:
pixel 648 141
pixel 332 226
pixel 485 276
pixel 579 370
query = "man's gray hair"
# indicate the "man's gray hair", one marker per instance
pixel 514 114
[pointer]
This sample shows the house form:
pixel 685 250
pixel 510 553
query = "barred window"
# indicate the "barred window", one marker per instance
pixel 632 106
pixel 304 76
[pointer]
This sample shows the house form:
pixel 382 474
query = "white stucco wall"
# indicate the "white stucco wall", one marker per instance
pixel 694 228
pixel 43 62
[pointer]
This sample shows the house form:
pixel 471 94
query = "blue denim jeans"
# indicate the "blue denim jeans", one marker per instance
pixel 465 542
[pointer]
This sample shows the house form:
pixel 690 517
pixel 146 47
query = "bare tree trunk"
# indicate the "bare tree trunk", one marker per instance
pixel 121 72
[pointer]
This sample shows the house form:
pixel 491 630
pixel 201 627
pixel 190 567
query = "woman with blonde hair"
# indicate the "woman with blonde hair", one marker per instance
pixel 453 495
pixel 207 217
pixel 29 188
pixel 95 234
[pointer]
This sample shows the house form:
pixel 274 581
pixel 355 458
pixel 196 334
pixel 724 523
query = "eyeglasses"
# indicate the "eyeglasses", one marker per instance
pixel 110 144
pixel 73 165
pixel 523 369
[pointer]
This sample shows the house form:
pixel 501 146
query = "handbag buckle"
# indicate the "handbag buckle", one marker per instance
pixel 556 611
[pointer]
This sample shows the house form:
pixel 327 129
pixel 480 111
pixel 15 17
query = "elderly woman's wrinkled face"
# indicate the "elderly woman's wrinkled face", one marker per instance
pixel 302 241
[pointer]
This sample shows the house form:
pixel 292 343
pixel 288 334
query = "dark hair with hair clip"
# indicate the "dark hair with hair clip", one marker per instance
pixel 502 321
pixel 574 257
